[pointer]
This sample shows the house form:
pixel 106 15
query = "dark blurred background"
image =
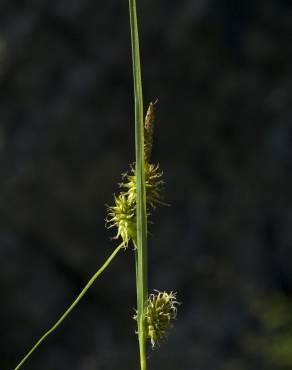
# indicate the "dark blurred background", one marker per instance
pixel 222 71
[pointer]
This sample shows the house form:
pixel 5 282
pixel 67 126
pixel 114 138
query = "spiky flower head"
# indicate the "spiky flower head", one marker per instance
pixel 123 216
pixel 153 184
pixel 161 310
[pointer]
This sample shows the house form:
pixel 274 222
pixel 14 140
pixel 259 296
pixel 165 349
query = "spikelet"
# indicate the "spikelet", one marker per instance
pixel 160 311
pixel 148 131
pixel 153 183
pixel 123 216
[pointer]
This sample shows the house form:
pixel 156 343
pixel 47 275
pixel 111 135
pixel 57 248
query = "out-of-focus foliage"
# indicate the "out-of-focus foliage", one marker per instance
pixel 274 340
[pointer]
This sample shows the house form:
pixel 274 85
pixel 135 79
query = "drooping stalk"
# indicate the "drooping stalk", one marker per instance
pixel 71 307
pixel 141 254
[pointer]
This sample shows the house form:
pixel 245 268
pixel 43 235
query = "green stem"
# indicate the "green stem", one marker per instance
pixel 66 313
pixel 141 255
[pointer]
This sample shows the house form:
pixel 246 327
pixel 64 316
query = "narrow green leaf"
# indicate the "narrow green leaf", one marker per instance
pixel 71 307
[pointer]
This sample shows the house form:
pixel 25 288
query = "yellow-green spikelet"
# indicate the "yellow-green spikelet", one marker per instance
pixel 123 216
pixel 161 310
pixel 153 183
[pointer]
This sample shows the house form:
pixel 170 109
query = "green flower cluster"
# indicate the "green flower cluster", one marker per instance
pixel 161 310
pixel 123 214
pixel 153 183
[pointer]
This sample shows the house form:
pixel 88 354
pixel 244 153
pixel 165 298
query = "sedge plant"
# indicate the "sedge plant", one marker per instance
pixel 140 193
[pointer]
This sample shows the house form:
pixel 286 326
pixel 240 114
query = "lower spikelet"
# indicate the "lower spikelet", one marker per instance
pixel 123 216
pixel 161 310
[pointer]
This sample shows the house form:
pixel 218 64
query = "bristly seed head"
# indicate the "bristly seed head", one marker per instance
pixel 123 214
pixel 153 183
pixel 161 310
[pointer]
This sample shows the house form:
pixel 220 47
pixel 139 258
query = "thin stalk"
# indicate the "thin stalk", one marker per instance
pixel 141 255
pixel 66 313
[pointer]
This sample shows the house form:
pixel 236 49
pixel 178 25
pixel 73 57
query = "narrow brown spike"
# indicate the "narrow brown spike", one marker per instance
pixel 148 131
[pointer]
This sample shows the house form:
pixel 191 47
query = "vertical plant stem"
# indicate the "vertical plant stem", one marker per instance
pixel 141 255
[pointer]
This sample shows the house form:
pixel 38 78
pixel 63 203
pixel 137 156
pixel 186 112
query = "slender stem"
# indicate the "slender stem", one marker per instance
pixel 66 313
pixel 141 255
